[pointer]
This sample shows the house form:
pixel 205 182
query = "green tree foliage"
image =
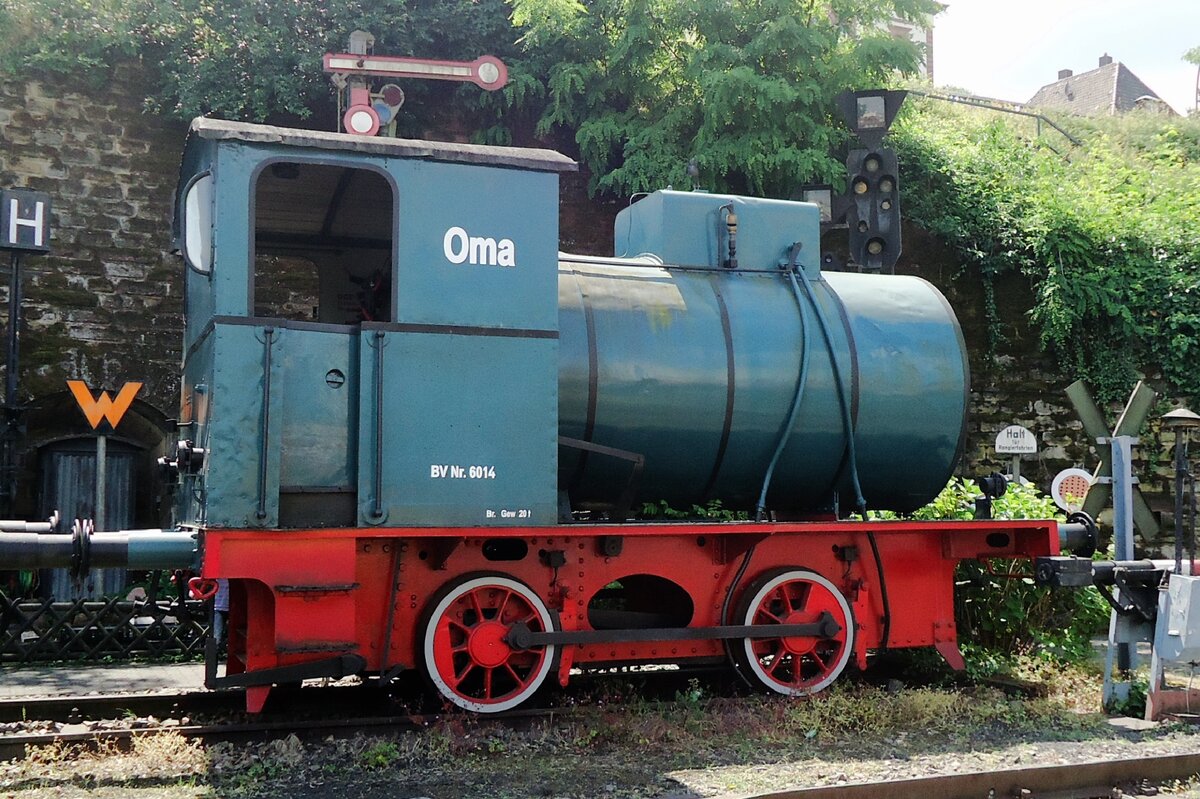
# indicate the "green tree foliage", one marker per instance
pixel 241 59
pixel 1108 234
pixel 743 86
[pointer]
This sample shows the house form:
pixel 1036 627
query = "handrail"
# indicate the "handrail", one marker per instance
pixel 992 105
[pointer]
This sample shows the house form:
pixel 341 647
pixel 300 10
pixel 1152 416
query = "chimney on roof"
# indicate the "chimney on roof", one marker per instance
pixel 1105 60
pixel 1064 73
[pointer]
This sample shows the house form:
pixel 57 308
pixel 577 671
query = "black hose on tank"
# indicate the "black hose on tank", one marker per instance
pixel 860 504
pixel 800 383
pixel 733 586
pixel 883 595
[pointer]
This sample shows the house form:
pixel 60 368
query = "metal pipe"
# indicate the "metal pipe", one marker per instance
pixel 1122 495
pixel 993 106
pixel 1134 571
pixel 13 526
pixel 14 332
pixel 33 551
pixel 1181 442
pixel 130 549
pixel 377 500
pixel 11 433
pixel 101 481
pixel 1190 507
pixel 264 451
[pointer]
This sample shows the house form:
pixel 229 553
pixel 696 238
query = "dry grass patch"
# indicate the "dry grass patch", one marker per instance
pixel 158 759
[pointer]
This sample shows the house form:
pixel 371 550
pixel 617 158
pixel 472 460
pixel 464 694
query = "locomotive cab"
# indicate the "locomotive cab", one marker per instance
pixel 371 332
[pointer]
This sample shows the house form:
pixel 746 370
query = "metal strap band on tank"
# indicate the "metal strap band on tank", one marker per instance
pixel 961 447
pixel 854 385
pixel 589 427
pixel 730 386
pixel 852 347
pixel 264 442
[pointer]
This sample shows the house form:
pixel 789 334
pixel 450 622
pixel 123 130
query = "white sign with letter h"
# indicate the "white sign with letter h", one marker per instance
pixel 24 220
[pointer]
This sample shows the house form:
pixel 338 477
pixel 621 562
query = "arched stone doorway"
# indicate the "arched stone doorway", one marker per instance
pixel 59 473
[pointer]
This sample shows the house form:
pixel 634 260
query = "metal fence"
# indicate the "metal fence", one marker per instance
pixel 33 631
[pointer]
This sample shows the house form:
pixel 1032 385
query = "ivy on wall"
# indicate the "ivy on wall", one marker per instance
pixel 1108 233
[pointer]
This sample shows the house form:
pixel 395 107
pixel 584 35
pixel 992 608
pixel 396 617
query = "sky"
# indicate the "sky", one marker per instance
pixel 1008 49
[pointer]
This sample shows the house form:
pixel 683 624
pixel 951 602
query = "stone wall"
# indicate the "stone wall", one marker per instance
pixel 105 305
pixel 1018 383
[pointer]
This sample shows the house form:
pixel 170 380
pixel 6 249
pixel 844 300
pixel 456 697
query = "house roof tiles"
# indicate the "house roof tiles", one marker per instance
pixel 1108 89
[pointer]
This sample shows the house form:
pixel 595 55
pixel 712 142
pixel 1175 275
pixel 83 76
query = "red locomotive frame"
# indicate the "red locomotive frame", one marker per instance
pixel 489 614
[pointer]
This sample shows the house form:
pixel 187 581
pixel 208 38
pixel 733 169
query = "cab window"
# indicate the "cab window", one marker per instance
pixel 323 247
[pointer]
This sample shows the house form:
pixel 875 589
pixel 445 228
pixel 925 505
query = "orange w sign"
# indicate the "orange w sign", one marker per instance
pixel 97 409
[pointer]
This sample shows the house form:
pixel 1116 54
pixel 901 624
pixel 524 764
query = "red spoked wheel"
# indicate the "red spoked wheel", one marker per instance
pixel 466 655
pixel 795 665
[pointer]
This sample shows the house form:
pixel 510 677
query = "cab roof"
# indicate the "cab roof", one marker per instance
pixel 518 157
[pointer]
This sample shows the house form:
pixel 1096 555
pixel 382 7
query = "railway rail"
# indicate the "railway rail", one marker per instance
pixel 1102 778
pixel 320 725
pixel 16 746
pixel 178 704
pixel 71 709
pixel 367 697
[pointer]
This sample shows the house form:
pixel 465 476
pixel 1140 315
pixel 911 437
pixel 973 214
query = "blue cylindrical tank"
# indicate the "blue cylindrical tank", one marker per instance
pixel 697 369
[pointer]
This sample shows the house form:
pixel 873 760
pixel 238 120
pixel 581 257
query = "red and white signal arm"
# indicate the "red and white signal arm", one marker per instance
pixel 24 220
pixel 364 118
pixel 486 72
